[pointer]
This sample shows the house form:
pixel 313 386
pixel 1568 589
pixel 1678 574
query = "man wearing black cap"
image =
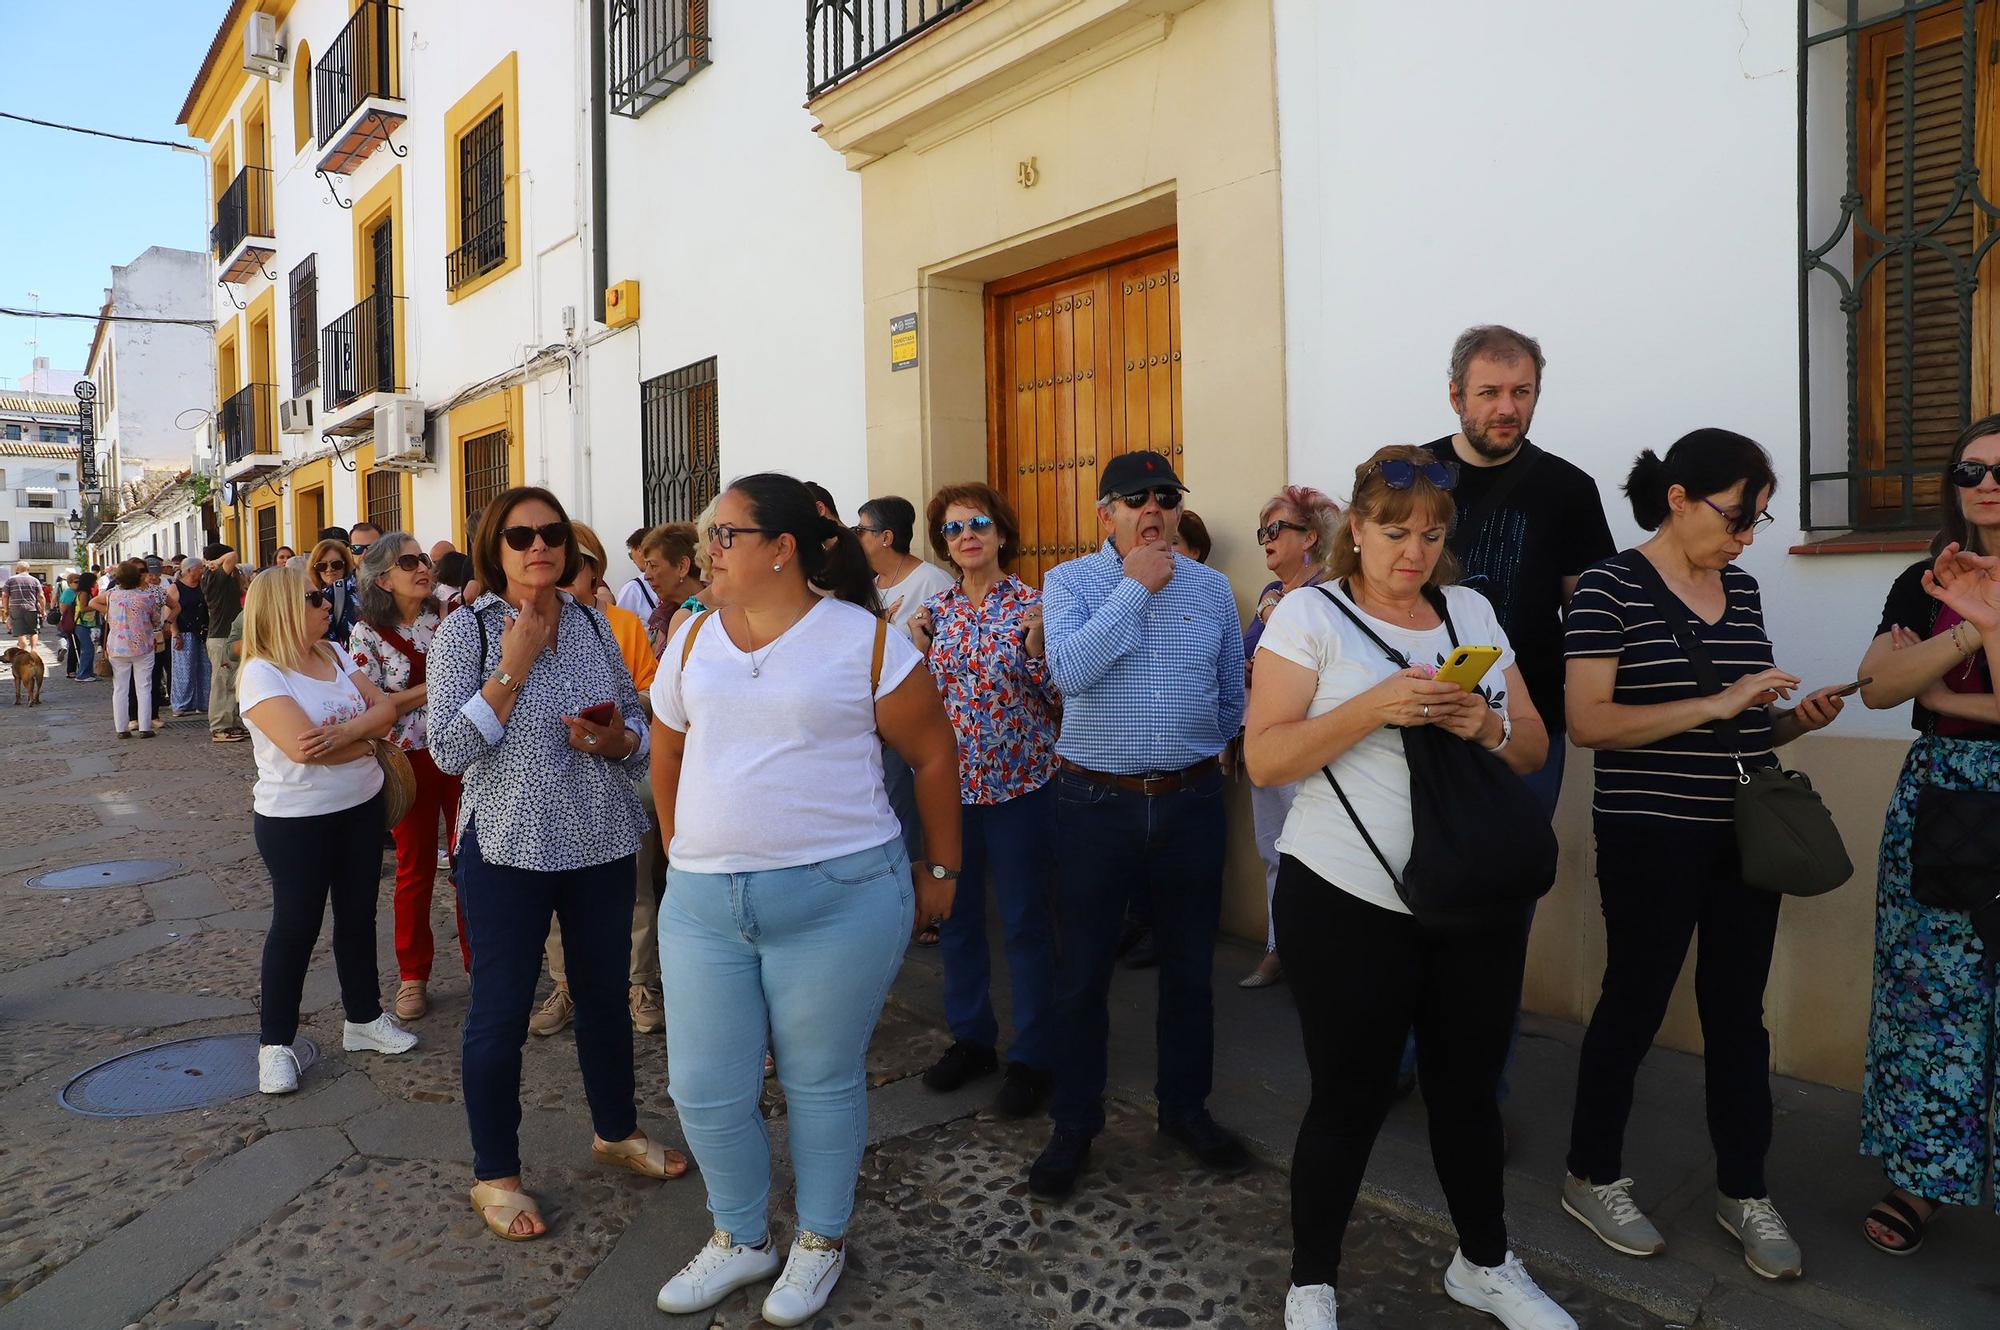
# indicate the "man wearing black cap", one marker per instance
pixel 222 592
pixel 1148 650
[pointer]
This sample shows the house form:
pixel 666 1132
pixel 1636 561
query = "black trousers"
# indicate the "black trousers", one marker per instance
pixel 312 859
pixel 1364 978
pixel 1660 886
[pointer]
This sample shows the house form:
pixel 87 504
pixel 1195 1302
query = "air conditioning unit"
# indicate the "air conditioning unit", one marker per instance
pixel 295 415
pixel 399 434
pixel 262 55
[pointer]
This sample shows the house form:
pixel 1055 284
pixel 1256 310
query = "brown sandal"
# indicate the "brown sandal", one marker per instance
pixel 511 1205
pixel 644 1156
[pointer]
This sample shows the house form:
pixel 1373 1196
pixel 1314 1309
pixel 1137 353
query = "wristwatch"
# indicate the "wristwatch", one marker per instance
pixel 939 873
pixel 507 681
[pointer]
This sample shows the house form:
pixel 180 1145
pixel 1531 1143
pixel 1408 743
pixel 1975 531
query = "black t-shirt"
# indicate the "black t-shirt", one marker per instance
pixel 1912 607
pixel 1550 525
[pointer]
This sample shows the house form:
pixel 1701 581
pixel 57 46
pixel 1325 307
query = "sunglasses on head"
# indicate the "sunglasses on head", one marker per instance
pixel 1398 474
pixel 1271 530
pixel 316 600
pixel 1167 495
pixel 554 536
pixel 1969 475
pixel 331 566
pixel 409 563
pixel 955 528
pixel 1741 523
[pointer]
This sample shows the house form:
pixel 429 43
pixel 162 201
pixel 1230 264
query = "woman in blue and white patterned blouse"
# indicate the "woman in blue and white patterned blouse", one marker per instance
pixel 548 825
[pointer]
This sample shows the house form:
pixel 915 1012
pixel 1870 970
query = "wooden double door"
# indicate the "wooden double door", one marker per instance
pixel 1083 363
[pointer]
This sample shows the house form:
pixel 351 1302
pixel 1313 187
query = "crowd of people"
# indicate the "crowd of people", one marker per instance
pixel 722 799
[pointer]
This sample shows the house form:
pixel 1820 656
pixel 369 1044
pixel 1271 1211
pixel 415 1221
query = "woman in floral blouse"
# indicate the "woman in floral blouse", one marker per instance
pixel 983 641
pixel 398 618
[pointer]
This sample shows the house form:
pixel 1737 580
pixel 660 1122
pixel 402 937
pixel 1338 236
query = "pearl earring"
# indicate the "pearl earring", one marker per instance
pixel 777 567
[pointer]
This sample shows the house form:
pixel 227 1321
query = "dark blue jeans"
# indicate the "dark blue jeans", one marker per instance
pixel 1109 843
pixel 1014 843
pixel 506 913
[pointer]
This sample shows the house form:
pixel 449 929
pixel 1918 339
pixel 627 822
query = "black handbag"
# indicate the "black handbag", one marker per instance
pixel 1955 849
pixel 1483 852
pixel 1785 836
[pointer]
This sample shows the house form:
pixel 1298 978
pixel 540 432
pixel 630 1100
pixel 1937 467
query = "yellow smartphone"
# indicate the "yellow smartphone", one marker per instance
pixel 1466 666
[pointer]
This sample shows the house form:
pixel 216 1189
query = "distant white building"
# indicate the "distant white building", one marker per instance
pixel 39 464
pixel 154 379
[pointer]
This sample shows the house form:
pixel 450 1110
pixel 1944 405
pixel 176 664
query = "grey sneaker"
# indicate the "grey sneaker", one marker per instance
pixel 1610 1212
pixel 1768 1248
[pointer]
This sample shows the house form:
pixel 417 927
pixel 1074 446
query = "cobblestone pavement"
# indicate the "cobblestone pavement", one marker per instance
pixel 344 1205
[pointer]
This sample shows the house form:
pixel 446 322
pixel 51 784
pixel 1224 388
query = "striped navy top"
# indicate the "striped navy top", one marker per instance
pixel 1692 775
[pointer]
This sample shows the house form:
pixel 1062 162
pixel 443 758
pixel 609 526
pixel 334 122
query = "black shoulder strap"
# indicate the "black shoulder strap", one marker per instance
pixel 1681 625
pixel 1355 818
pixel 479 618
pixel 1432 594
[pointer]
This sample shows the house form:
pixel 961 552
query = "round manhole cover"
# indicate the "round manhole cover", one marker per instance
pixel 111 873
pixel 170 1077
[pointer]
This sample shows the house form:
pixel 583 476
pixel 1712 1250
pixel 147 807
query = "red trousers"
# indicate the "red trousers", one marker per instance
pixel 416 867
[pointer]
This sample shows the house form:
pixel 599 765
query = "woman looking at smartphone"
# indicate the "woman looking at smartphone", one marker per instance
pixel 548 827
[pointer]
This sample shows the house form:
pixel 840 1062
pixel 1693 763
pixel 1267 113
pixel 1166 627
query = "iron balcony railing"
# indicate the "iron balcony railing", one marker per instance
pixel 361 63
pixel 357 351
pixel 655 47
pixel 843 37
pixel 481 254
pixel 244 210
pixel 45 549
pixel 247 423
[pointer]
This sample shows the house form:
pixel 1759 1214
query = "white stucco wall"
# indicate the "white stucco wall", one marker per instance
pixel 1618 183
pixel 158 370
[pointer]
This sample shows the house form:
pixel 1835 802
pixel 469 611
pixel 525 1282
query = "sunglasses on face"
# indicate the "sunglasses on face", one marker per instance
pixel 409 563
pixel 554 536
pixel 1740 523
pixel 331 566
pixel 1166 495
pixel 315 600
pixel 1968 475
pixel 955 528
pixel 1270 531
pixel 1400 475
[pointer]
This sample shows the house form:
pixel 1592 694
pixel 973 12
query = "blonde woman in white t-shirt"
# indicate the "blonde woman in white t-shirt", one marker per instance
pixel 1364 971
pixel 318 814
pixel 789 893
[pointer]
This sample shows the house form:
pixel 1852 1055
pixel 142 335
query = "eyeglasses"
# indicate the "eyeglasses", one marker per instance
pixel 1969 475
pixel 316 600
pixel 955 528
pixel 725 536
pixel 409 563
pixel 1740 523
pixel 554 536
pixel 1270 531
pixel 331 566
pixel 1398 474
pixel 1166 495
pixel 866 530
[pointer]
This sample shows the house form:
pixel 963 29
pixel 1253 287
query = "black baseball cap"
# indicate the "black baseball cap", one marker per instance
pixel 153 564
pixel 1130 473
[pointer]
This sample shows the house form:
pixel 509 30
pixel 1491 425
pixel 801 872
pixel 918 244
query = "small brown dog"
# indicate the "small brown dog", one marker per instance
pixel 29 670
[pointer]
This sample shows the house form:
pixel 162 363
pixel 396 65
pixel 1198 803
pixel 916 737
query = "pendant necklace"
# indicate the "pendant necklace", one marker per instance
pixel 756 665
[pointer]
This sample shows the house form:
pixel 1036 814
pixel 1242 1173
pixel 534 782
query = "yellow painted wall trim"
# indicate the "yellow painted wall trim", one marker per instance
pixel 302 97
pixel 221 77
pixel 500 89
pixel 364 465
pixel 501 410
pixel 385 199
pixel 313 475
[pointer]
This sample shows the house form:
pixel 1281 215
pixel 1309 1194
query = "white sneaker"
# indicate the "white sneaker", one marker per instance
pixel 277 1069
pixel 381 1035
pixel 718 1270
pixel 1310 1308
pixel 1505 1292
pixel 811 1271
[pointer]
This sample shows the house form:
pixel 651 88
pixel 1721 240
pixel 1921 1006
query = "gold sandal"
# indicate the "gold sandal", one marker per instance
pixel 644 1156
pixel 511 1205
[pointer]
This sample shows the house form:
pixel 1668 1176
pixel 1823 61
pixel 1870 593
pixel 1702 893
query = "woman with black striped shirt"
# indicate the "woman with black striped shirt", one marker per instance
pixel 1664 813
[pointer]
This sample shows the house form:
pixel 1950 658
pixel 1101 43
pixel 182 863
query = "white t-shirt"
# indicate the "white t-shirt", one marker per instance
pixel 292 789
pixel 902 601
pixel 783 767
pixel 637 596
pixel 1308 631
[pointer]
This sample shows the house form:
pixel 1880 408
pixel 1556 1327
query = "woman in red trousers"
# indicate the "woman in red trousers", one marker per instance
pixel 398 617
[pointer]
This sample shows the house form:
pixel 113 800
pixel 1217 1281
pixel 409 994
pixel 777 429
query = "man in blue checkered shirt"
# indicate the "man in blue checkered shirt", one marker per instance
pixel 1148 651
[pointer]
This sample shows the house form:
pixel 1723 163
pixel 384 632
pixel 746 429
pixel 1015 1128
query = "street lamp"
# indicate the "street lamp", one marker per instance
pixel 76 526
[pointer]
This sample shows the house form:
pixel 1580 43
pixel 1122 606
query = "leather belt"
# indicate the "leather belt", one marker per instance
pixel 1148 782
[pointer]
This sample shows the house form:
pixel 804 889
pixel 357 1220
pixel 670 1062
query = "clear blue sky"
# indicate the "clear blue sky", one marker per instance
pixel 76 205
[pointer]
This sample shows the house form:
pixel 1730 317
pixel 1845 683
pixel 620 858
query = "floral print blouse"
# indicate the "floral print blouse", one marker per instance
pixel 1001 701
pixel 390 670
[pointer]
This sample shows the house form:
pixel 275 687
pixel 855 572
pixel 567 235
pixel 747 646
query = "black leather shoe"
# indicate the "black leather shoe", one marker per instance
pixel 1023 1092
pixel 962 1063
pixel 1054 1174
pixel 1207 1140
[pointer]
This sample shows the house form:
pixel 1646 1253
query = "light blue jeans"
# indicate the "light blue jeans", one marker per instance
pixel 807 953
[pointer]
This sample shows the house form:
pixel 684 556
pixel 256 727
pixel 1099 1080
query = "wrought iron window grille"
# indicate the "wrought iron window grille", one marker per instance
pixel 385 499
pixel 679 437
pixel 482 203
pixel 485 473
pixel 843 37
pixel 305 325
pixel 656 46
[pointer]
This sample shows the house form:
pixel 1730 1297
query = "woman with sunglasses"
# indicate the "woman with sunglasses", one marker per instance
pixel 1933 1027
pixel 331 568
pixel 1297 529
pixel 1667 861
pixel 391 643
pixel 532 705
pixel 318 815
pixel 982 637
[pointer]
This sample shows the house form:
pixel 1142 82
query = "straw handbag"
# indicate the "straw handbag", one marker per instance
pixel 399 781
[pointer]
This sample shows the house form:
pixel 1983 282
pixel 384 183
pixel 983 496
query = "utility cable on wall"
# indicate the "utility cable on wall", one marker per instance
pixel 103 133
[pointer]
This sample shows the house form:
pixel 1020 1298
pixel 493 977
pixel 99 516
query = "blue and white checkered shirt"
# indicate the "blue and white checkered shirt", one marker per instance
pixel 1151 680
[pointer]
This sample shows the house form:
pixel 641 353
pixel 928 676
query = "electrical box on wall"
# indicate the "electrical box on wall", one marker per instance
pixel 621 304
pixel 262 55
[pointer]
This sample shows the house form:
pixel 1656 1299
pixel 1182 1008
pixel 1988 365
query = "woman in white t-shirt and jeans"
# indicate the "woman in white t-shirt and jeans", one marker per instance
pixel 789 893
pixel 1364 971
pixel 318 814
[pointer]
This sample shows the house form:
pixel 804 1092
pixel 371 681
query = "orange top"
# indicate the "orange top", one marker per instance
pixel 630 630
